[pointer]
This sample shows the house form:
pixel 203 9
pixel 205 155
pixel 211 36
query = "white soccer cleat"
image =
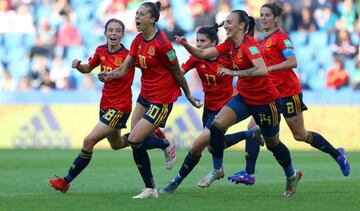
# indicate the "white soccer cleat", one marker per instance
pixel 147 193
pixel 170 154
pixel 211 177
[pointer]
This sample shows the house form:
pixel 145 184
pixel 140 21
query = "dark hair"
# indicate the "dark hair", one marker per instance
pixel 248 20
pixel 275 9
pixel 154 9
pixel 211 31
pixel 116 21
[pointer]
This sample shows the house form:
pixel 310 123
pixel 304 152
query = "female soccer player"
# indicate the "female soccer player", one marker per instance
pixel 218 91
pixel 280 59
pixel 115 104
pixel 153 53
pixel 257 96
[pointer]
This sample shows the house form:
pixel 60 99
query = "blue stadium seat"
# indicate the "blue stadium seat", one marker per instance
pixel 238 4
pixel 318 39
pixel 182 16
pixel 77 52
pixel 13 40
pixel 304 54
pixel 355 38
pixel 19 69
pixel 298 38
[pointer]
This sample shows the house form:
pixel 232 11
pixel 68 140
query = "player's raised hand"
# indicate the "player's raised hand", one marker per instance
pixel 194 101
pixel 181 40
pixel 223 71
pixel 75 63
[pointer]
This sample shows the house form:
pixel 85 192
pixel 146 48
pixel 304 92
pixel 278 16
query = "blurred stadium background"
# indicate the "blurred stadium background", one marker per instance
pixel 46 104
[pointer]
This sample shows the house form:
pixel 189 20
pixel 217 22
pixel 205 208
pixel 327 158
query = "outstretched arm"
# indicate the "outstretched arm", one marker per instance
pixel 259 69
pixel 118 72
pixel 180 79
pixel 289 63
pixel 83 68
pixel 207 53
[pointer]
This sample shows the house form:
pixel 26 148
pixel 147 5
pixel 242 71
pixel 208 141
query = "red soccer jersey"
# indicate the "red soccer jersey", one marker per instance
pixel 255 90
pixel 218 89
pixel 116 93
pixel 153 57
pixel 285 81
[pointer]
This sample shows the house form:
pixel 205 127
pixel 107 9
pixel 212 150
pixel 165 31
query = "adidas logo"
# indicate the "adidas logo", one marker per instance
pixel 43 131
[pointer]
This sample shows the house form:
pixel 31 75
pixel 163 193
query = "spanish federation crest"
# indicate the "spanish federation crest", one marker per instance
pixel 268 43
pixel 151 51
pixel 118 61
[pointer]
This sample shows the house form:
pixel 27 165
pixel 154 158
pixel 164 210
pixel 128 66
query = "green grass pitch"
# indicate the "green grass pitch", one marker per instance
pixel 111 179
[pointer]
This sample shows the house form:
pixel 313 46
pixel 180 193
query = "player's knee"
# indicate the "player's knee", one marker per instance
pixel 216 127
pixel 271 141
pixel 134 145
pixel 251 125
pixel 194 151
pixel 89 143
pixel 115 147
pixel 300 136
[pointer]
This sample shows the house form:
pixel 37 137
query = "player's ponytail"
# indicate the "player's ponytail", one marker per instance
pixel 154 9
pixel 211 31
pixel 251 27
pixel 248 20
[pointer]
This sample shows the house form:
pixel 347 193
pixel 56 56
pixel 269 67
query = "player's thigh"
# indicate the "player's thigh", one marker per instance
pixel 99 132
pixel 200 142
pixel 137 114
pixel 141 130
pixel 234 111
pixel 297 127
pixel 267 117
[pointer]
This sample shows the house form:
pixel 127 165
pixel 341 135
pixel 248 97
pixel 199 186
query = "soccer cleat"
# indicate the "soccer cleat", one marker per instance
pixel 211 177
pixel 291 183
pixel 147 193
pixel 59 184
pixel 170 155
pixel 170 188
pixel 159 133
pixel 257 135
pixel 343 162
pixel 242 177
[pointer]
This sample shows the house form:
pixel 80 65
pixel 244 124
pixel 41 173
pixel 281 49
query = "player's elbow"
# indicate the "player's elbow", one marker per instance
pixel 294 64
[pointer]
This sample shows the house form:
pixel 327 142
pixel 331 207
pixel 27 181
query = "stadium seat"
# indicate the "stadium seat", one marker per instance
pixel 318 39
pixel 355 38
pixel 298 38
pixel 304 54
pixel 12 40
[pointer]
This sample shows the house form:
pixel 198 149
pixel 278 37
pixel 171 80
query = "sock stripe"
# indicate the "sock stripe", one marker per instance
pixel 309 138
pixel 85 155
pixel 217 125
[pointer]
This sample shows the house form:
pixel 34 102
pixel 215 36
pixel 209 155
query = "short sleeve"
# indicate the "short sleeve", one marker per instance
pixel 95 60
pixel 133 47
pixel 285 45
pixel 251 51
pixel 224 48
pixel 189 64
pixel 167 54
